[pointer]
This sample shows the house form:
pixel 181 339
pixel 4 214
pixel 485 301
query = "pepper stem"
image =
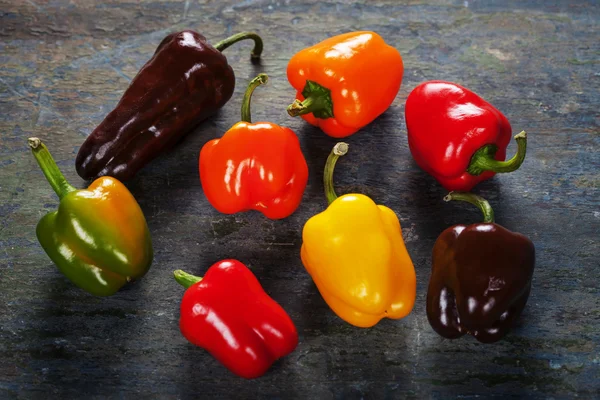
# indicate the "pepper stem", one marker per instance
pixel 43 157
pixel 483 159
pixel 309 105
pixel 317 100
pixel 254 83
pixel 258 43
pixel 184 279
pixel 338 150
pixel 484 206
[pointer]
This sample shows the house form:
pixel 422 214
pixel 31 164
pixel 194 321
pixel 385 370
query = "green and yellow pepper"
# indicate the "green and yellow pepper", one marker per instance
pixel 98 238
pixel 356 256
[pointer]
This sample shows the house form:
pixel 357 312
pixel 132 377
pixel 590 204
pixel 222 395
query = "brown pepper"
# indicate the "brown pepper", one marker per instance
pixel 186 81
pixel 480 278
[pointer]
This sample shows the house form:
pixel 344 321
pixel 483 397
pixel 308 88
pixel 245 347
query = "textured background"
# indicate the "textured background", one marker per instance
pixel 64 65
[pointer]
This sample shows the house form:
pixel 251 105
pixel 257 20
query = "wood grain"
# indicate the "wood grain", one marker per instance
pixel 64 65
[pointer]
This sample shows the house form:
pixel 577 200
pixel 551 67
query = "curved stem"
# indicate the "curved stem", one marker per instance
pixel 49 168
pixel 483 159
pixel 317 100
pixel 484 206
pixel 338 150
pixel 254 83
pixel 258 43
pixel 184 279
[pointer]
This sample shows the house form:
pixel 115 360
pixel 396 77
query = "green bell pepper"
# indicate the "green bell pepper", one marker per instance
pixel 98 238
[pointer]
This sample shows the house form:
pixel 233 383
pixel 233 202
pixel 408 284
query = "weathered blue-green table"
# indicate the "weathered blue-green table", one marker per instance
pixel 64 65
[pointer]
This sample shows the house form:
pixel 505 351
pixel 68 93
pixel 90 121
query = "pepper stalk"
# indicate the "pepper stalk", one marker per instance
pixel 254 83
pixel 258 43
pixel 184 279
pixel 338 150
pixel 483 160
pixel 317 100
pixel 480 202
pixel 53 174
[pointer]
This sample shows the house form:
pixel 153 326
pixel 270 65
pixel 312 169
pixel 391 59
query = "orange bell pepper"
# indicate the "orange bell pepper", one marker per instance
pixel 254 166
pixel 345 82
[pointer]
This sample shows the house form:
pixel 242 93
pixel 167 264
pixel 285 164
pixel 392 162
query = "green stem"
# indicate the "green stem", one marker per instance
pixel 338 150
pixel 184 279
pixel 254 83
pixel 258 43
pixel 484 206
pixel 317 100
pixel 49 168
pixel 309 105
pixel 483 159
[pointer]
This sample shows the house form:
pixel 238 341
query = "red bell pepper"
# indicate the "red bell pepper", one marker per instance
pixel 457 137
pixel 228 313
pixel 256 166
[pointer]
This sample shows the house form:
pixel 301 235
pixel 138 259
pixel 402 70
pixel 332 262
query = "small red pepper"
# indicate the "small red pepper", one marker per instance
pixel 228 313
pixel 256 166
pixel 457 137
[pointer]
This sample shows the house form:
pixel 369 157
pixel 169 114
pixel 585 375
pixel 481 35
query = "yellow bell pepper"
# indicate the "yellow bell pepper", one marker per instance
pixel 355 254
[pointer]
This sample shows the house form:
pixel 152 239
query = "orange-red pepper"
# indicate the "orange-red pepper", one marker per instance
pixel 256 166
pixel 345 82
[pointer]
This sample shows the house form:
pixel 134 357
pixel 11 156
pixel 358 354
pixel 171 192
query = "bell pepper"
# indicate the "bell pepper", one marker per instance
pixel 480 277
pixel 256 166
pixel 355 254
pixel 186 81
pixel 98 238
pixel 457 137
pixel 228 313
pixel 345 82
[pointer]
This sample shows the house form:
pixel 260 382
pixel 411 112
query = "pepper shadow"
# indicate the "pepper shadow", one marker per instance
pixel 168 189
pixel 311 313
pixel 177 167
pixel 75 340
pixel 511 363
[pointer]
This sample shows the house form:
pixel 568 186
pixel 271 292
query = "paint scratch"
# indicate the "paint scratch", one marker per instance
pixel 186 8
pixel 104 57
pixel 15 91
pixel 37 6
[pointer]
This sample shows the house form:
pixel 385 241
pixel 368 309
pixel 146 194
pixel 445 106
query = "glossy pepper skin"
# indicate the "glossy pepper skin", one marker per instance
pixel 345 82
pixel 355 254
pixel 186 81
pixel 256 166
pixel 457 137
pixel 98 238
pixel 228 313
pixel 480 278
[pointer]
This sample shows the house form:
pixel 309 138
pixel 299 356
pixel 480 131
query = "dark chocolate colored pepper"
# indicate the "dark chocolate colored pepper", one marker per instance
pixel 184 82
pixel 480 277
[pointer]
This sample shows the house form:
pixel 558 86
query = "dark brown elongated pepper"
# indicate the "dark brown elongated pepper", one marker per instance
pixel 480 277
pixel 186 81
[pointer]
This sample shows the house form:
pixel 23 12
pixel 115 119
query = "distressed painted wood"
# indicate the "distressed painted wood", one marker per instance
pixel 63 67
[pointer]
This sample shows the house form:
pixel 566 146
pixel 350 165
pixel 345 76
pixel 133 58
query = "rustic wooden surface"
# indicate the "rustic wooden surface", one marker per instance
pixel 64 65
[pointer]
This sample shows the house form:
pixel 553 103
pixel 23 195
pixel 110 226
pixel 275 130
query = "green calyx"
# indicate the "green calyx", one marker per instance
pixel 483 160
pixel 317 100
